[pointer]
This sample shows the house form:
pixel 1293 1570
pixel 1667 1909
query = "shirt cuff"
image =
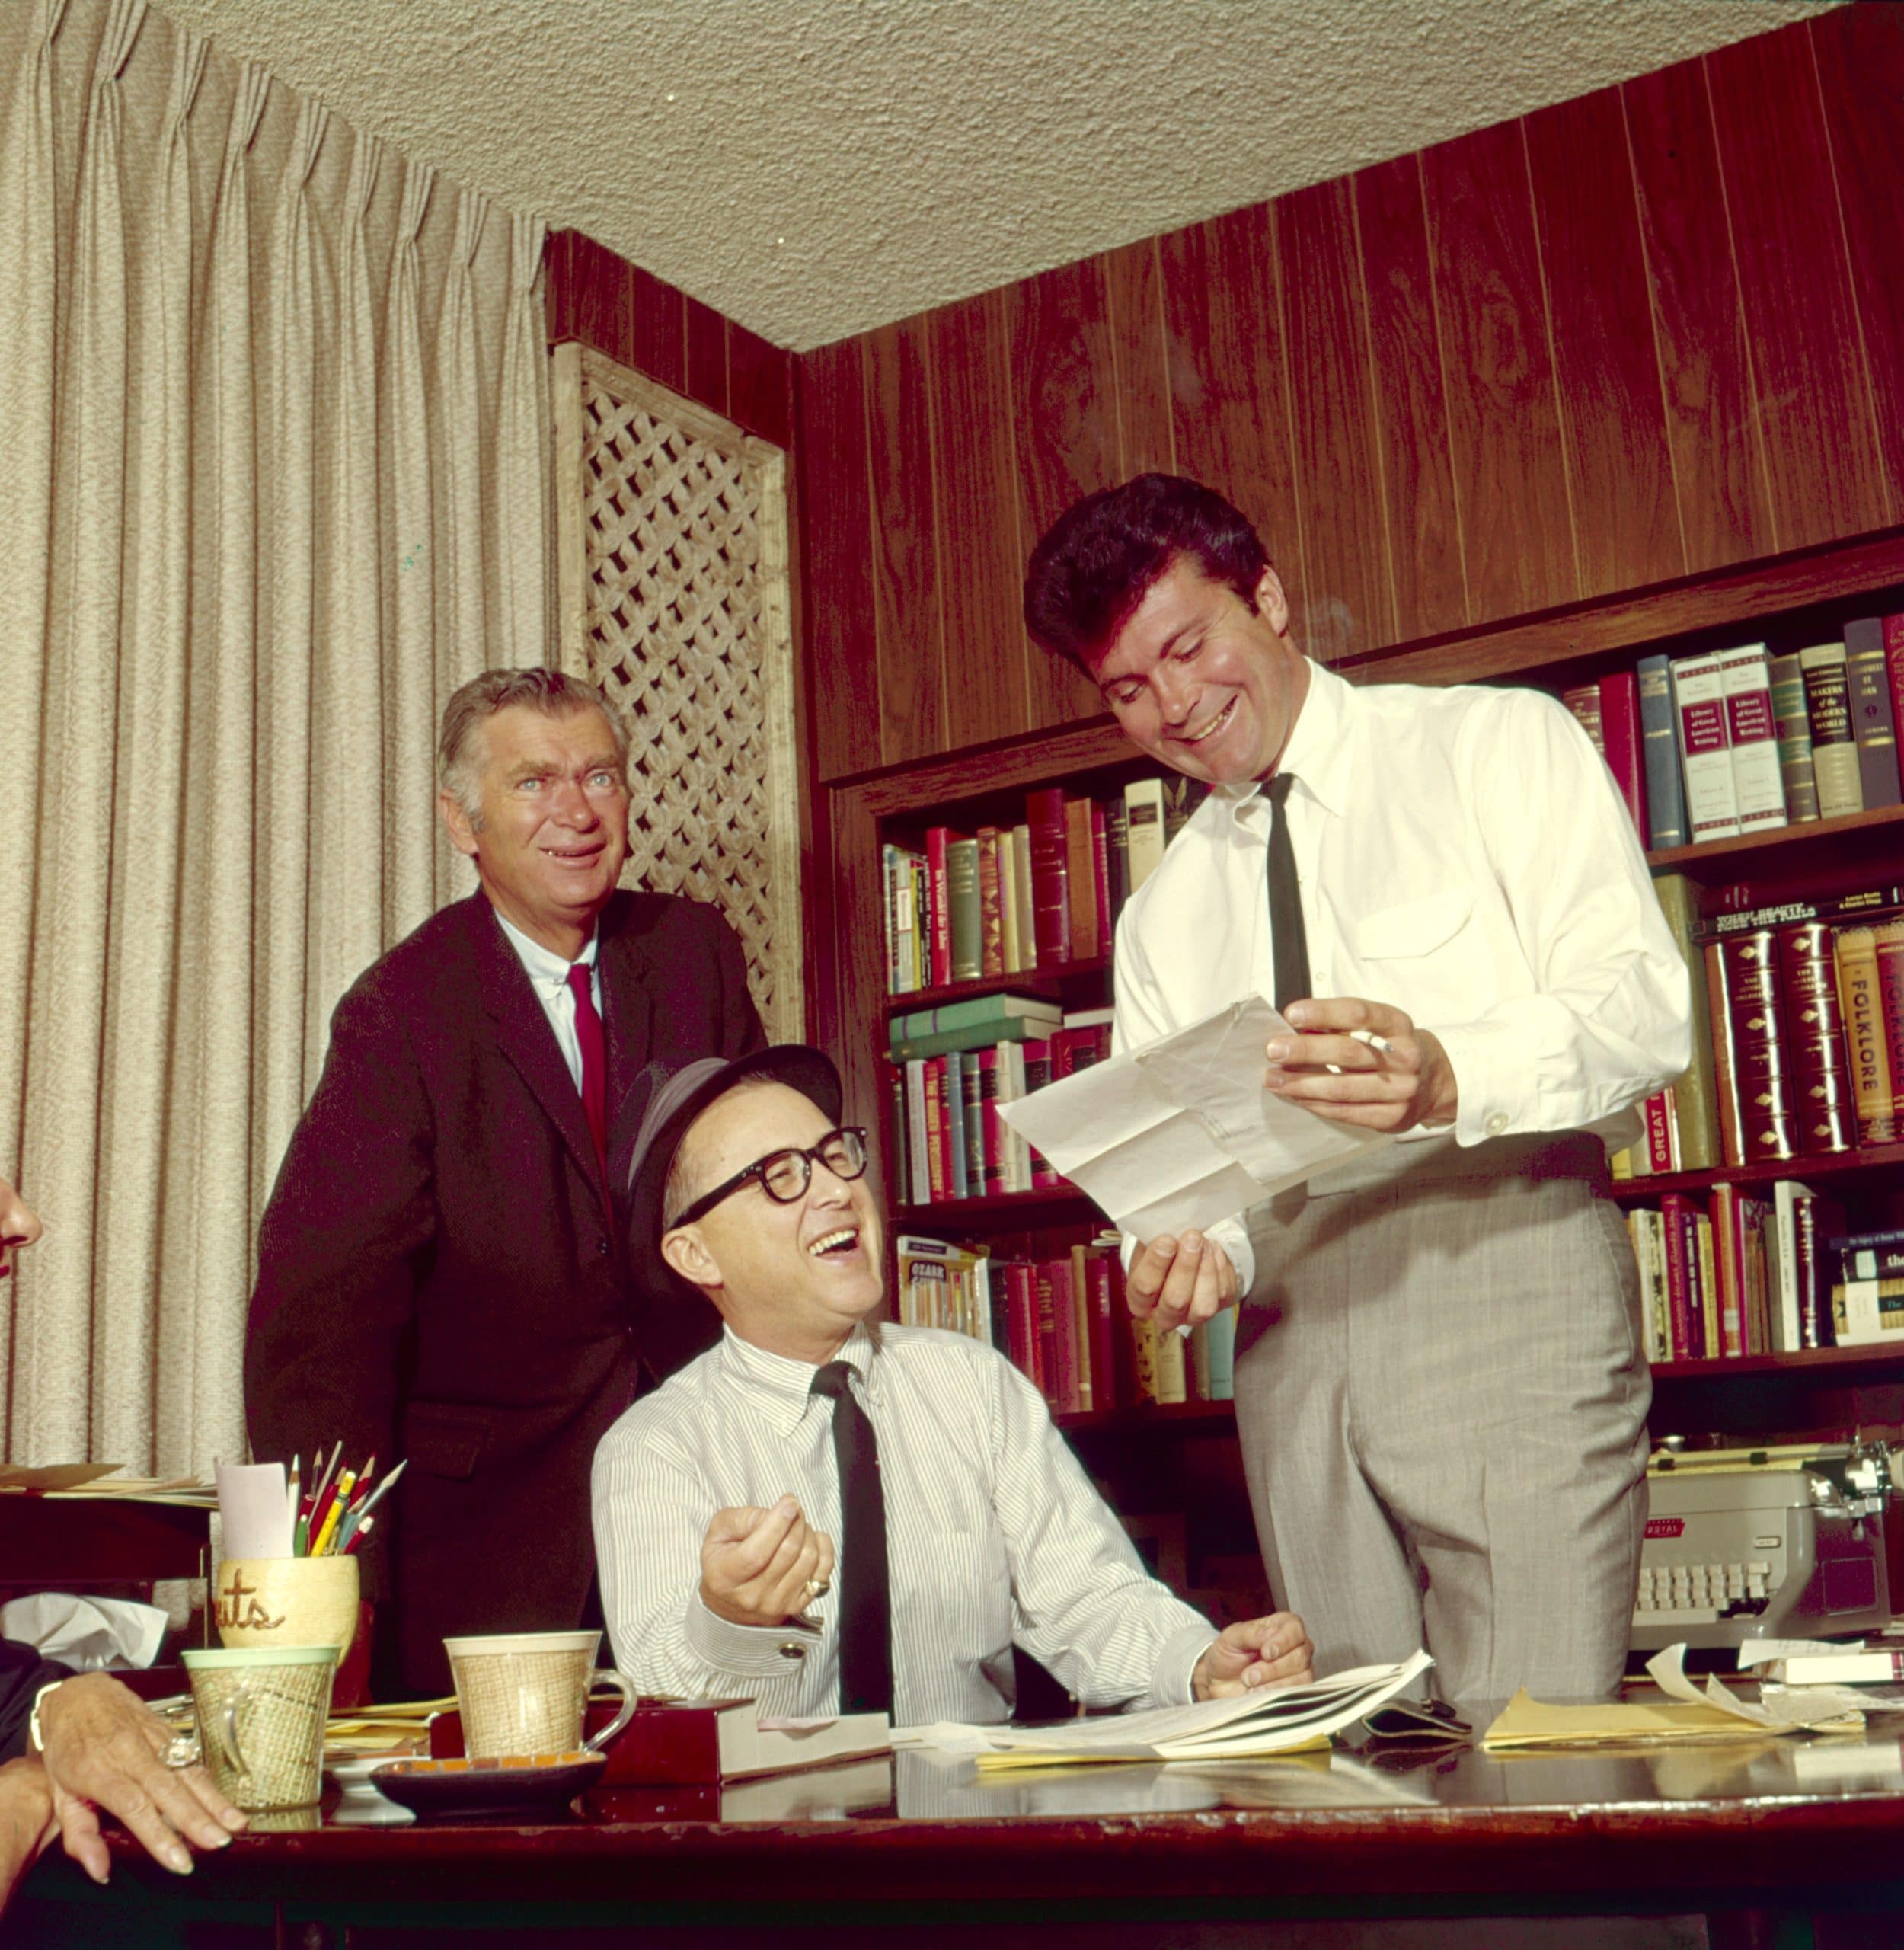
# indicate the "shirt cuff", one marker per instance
pixel 753 1651
pixel 1493 1095
pixel 1172 1676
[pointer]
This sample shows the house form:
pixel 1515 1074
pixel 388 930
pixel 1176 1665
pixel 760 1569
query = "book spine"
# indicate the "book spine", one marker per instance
pixel 941 1176
pixel 1705 759
pixel 1827 1119
pixel 1022 889
pixel 1625 755
pixel 1894 665
pixel 1117 850
pixel 992 1180
pixel 1220 1346
pixel 1144 817
pixel 1676 1214
pixel 1696 1096
pixel 991 905
pixel 1725 1083
pixel 1711 1342
pixel 1067 1387
pixel 1012 1086
pixel 967 926
pixel 1659 1134
pixel 1103 1329
pixel 972 1088
pixel 890 873
pixel 919 1133
pixel 1081 1315
pixel 1022 1319
pixel 1756 783
pixel 1011 943
pixel 1725 1253
pixel 1037 1074
pixel 1143 1358
pixel 1855 952
pixel 1761 1062
pixel 1887 945
pixel 1834 742
pixel 938 909
pixel 1045 1348
pixel 898 1177
pixel 1665 805
pixel 1814 1317
pixel 1169 1366
pixel 1792 723
pixel 1583 701
pixel 1868 697
pixel 1050 878
pixel 1100 874
pixel 1080 879
pixel 1788 1311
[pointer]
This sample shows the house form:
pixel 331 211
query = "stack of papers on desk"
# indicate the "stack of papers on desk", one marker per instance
pixel 105 1479
pixel 1181 1133
pixel 1686 1714
pixel 1271 1720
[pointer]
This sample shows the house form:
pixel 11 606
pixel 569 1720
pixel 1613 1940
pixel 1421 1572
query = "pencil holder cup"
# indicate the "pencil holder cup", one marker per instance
pixel 261 1716
pixel 273 1601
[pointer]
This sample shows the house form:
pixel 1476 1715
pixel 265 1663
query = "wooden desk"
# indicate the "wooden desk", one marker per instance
pixel 1739 1833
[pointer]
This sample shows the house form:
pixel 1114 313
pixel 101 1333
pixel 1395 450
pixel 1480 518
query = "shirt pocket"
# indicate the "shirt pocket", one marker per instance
pixel 1426 956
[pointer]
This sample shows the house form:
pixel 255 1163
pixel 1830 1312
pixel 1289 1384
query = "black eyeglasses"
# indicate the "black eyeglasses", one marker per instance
pixel 784 1175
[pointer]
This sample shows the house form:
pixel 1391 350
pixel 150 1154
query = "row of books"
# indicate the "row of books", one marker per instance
pixel 1798 1043
pixel 949 1142
pixel 1736 1275
pixel 1062 1321
pixel 1731 742
pixel 1007 899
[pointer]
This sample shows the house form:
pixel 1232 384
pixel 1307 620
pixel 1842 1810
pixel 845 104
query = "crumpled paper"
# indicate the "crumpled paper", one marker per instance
pixel 90 1634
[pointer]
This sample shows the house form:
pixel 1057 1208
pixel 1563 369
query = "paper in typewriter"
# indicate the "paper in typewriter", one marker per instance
pixel 1273 1719
pixel 1181 1132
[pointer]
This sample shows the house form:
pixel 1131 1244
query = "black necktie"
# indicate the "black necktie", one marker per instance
pixel 1289 943
pixel 865 1601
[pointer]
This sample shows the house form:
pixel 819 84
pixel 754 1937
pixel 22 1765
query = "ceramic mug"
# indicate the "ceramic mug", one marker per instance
pixel 524 1694
pixel 273 1601
pixel 261 1714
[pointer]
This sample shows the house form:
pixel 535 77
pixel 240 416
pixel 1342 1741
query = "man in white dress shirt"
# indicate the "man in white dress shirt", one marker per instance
pixel 719 1499
pixel 1440 1381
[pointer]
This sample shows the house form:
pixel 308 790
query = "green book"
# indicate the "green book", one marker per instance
pixel 1792 722
pixel 972 1036
pixel 962 897
pixel 1694 1102
pixel 976 1010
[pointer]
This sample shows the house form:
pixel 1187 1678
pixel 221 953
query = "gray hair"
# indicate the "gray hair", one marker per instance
pixel 459 758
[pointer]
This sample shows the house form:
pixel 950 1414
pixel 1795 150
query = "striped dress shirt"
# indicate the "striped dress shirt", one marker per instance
pixel 994 1535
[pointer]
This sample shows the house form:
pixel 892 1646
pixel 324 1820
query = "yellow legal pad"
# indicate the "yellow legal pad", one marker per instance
pixel 995 1761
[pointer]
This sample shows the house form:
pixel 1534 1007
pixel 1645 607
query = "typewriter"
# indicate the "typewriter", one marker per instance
pixel 1782 1543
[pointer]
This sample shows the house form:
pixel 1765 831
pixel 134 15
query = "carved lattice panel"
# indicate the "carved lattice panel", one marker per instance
pixel 674 599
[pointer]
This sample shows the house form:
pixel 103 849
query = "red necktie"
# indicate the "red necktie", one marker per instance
pixel 594 1062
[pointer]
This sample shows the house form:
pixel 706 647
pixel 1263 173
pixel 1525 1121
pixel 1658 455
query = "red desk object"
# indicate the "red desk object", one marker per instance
pixel 669 1743
pixel 80 1543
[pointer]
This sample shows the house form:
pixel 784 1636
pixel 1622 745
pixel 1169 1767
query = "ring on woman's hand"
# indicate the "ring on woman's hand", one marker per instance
pixel 181 1750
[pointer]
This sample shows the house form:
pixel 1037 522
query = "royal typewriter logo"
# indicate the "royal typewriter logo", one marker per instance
pixel 239 1605
pixel 1665 1527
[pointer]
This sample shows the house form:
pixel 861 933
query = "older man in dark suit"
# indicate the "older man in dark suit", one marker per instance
pixel 442 1272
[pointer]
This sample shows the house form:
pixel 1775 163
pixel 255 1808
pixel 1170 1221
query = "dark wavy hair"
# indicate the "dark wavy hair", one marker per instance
pixel 1098 560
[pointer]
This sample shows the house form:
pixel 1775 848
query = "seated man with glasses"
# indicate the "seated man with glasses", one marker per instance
pixel 827 1512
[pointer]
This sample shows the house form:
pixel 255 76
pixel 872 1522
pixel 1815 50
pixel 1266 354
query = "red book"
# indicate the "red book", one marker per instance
pixel 1658 1131
pixel 1104 1336
pixel 1625 754
pixel 992 1134
pixel 938 907
pixel 1100 874
pixel 1044 1345
pixel 1050 878
pixel 1727 1255
pixel 1080 879
pixel 1067 1388
pixel 1682 1249
pixel 1894 663
pixel 1021 1318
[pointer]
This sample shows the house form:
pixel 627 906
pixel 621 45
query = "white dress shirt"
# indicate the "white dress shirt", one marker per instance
pixel 994 1533
pixel 548 976
pixel 1465 855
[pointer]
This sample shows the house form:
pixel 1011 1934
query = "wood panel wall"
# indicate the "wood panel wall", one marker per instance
pixel 1642 335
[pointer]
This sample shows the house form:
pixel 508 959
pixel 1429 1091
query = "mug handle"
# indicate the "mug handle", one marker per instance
pixel 608 1675
pixel 224 1723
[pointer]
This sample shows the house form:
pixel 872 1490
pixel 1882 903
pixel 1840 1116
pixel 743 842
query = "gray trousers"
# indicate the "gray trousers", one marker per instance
pixel 1441 1390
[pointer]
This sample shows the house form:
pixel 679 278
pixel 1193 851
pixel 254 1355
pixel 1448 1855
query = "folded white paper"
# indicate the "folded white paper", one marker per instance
pixel 254 1510
pixel 1181 1132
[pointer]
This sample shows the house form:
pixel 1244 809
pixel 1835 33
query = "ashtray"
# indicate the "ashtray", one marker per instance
pixel 504 1784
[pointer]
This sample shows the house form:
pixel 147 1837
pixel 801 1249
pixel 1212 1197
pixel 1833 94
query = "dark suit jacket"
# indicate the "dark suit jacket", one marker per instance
pixel 441 1276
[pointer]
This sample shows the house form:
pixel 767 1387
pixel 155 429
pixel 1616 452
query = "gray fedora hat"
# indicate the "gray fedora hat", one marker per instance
pixel 675 1097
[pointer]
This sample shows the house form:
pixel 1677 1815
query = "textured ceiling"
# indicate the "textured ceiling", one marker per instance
pixel 815 168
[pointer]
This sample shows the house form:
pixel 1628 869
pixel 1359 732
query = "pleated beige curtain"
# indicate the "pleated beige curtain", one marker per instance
pixel 273 479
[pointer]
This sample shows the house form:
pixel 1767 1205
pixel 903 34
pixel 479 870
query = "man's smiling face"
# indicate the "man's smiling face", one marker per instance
pixel 1200 682
pixel 553 826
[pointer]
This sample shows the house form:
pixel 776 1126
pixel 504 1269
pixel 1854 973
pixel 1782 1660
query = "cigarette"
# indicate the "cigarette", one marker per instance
pixel 1373 1041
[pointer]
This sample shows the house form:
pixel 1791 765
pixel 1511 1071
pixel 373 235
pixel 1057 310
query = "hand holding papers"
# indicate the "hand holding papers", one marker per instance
pixel 1271 1719
pixel 1181 1132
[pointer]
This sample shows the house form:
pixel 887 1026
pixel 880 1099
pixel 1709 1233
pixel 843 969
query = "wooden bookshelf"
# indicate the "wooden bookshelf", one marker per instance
pixel 1806 592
